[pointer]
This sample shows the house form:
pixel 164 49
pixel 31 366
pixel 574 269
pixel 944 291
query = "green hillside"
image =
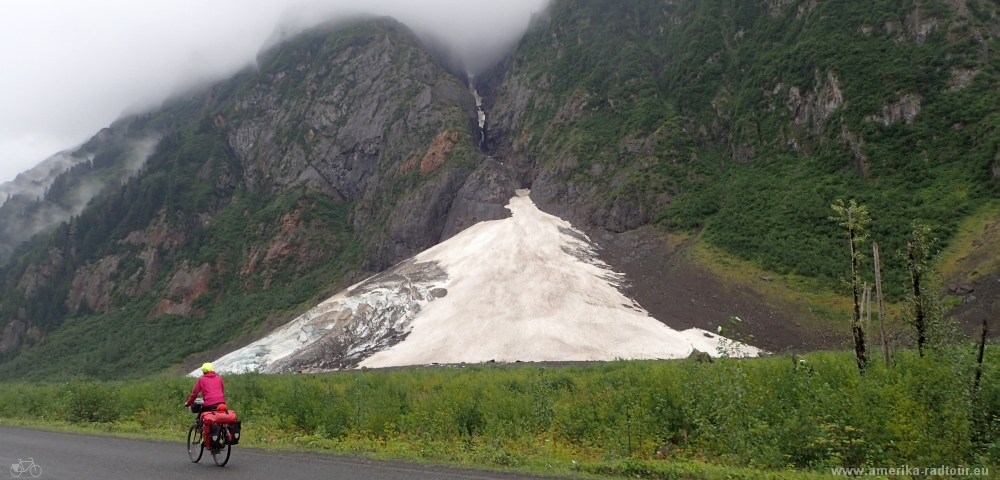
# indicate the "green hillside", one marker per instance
pixel 751 118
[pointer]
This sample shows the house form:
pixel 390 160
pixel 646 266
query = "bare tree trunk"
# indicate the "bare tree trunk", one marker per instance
pixel 918 308
pixel 881 307
pixel 979 358
pixel 861 307
pixel 868 307
pixel 859 334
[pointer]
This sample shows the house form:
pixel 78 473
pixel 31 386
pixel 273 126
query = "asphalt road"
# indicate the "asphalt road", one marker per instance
pixel 76 456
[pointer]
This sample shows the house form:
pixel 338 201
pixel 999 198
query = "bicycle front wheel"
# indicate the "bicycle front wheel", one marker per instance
pixel 195 444
pixel 35 471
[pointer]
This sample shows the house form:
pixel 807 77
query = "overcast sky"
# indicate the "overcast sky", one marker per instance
pixel 70 68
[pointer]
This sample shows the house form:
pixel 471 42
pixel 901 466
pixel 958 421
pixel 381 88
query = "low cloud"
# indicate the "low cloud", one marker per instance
pixel 26 210
pixel 33 183
pixel 71 68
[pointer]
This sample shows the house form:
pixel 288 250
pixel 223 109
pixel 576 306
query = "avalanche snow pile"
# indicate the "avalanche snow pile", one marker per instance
pixel 529 287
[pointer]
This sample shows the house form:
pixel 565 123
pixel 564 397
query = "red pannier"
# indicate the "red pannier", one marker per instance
pixel 228 416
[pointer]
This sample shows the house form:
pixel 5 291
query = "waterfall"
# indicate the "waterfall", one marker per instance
pixel 479 111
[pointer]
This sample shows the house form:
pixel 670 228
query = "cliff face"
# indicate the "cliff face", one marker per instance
pixel 348 150
pixel 354 112
pixel 360 117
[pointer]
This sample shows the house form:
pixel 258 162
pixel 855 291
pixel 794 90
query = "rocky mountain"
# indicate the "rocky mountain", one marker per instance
pixel 347 150
pixel 651 125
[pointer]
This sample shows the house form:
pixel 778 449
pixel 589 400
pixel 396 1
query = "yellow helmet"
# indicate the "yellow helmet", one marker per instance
pixel 207 368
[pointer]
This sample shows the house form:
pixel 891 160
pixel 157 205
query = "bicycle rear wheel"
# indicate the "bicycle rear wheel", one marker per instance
pixel 195 444
pixel 221 455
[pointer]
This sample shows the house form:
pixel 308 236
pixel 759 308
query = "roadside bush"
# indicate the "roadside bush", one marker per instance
pixel 93 402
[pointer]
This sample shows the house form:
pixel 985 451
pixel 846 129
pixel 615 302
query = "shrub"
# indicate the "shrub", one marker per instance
pixel 93 402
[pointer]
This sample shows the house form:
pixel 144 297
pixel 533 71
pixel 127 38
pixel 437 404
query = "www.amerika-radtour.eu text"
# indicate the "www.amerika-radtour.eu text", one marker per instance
pixel 941 471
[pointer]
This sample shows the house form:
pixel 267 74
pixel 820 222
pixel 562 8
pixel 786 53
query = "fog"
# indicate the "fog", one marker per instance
pixel 71 68
pixel 17 225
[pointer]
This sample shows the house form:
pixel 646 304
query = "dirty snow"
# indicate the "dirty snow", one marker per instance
pixel 529 288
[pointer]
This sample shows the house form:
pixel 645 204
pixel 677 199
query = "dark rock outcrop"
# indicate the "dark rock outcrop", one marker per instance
pixel 418 220
pixel 12 335
pixel 336 118
pixel 700 357
pixel 357 123
pixel 483 197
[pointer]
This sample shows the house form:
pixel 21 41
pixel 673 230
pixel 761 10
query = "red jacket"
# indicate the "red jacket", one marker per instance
pixel 211 389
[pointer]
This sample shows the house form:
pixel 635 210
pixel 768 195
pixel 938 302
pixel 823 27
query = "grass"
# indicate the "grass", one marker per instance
pixel 774 417
pixel 972 251
pixel 823 306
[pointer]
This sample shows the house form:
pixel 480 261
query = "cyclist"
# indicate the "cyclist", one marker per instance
pixel 211 389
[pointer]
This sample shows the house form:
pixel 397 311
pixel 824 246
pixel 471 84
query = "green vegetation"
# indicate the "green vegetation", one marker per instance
pixel 970 253
pixel 758 115
pixel 130 339
pixel 788 414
